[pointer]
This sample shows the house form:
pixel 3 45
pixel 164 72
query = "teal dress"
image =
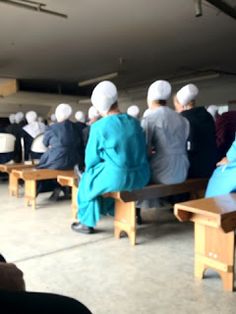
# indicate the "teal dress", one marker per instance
pixel 223 180
pixel 116 160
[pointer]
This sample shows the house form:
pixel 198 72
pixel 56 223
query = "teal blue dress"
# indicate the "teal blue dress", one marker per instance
pixel 116 160
pixel 223 180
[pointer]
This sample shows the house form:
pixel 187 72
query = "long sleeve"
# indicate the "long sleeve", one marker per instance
pixel 92 156
pixel 148 134
pixel 47 136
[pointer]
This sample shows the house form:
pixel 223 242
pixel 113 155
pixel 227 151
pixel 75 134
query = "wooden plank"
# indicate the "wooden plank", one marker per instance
pixel 43 174
pixel 7 168
pixel 221 208
pixel 162 190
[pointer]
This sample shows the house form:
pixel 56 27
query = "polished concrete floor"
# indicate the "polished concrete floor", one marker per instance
pixel 108 275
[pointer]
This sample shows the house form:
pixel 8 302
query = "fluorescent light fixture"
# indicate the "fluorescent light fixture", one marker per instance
pixel 98 79
pixel 196 78
pixel 33 6
pixel 198 7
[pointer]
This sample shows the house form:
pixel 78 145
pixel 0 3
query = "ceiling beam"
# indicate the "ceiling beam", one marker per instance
pixel 224 7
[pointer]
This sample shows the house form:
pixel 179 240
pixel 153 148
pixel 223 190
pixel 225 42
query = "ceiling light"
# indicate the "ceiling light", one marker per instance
pixel 198 7
pixel 196 78
pixel 33 6
pixel 98 79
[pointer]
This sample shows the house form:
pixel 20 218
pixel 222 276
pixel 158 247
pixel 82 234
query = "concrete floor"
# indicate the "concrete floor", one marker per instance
pixel 108 275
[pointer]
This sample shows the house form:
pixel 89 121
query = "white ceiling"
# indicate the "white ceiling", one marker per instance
pixel 155 38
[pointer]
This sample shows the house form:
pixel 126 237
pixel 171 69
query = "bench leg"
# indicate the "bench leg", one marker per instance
pixel 30 193
pixel 214 249
pixel 74 201
pixel 125 220
pixel 13 185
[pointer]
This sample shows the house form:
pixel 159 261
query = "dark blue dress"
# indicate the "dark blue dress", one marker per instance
pixel 65 146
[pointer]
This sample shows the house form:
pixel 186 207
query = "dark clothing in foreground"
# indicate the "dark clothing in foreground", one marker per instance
pixel 39 303
pixel 202 150
pixel 225 132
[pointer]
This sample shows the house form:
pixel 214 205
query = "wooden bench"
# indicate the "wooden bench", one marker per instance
pixel 13 186
pixel 214 224
pixel 71 181
pixel 31 176
pixel 125 209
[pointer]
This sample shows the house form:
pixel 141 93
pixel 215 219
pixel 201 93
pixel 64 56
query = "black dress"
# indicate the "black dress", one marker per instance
pixel 202 150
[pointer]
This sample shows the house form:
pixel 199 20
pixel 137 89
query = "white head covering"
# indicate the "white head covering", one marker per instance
pixel 80 116
pixel 53 117
pixel 213 110
pixel 147 112
pixel 104 96
pixel 133 111
pixel 33 128
pixel 12 118
pixel 63 112
pixel 159 90
pixel 31 116
pixel 19 117
pixel 93 113
pixel 187 94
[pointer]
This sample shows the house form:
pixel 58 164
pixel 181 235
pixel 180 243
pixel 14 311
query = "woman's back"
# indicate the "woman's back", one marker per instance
pixel 120 141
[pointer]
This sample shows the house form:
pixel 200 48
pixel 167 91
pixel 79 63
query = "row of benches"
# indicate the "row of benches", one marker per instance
pixel 214 218
pixel 125 217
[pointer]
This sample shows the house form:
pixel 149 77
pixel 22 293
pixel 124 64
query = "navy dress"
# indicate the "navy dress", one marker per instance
pixel 65 146
pixel 202 152
pixel 65 150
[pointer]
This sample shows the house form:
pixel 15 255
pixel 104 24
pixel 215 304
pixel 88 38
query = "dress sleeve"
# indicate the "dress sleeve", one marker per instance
pixel 148 133
pixel 46 137
pixel 92 153
pixel 231 154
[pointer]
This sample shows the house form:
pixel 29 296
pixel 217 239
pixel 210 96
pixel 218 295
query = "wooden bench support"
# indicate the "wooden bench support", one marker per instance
pixel 31 176
pixel 70 181
pixel 214 249
pixel 30 193
pixel 125 220
pixel 214 224
pixel 13 186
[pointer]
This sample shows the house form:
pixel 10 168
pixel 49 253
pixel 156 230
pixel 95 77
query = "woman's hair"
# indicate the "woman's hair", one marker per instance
pixel 114 106
pixel 160 102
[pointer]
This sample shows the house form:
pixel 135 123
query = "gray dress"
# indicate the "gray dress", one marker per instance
pixel 166 134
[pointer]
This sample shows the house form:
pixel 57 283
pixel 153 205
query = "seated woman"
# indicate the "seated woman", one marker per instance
pixel 65 148
pixel 223 179
pixel 30 132
pixel 115 158
pixel 166 134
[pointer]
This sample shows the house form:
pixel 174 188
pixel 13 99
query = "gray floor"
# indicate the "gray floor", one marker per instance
pixel 108 275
